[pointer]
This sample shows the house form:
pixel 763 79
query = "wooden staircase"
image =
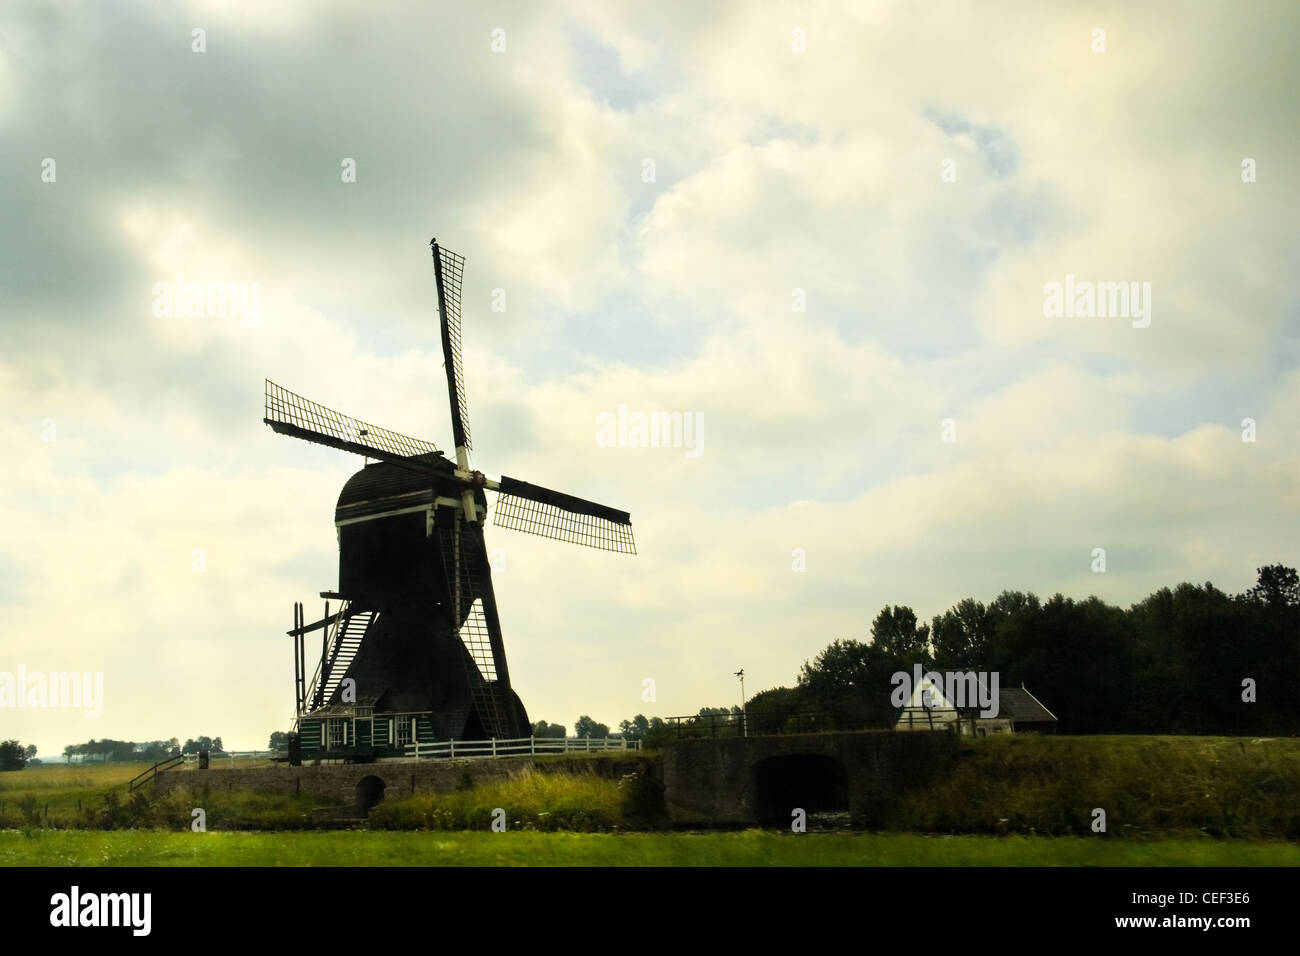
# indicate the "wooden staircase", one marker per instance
pixel 342 643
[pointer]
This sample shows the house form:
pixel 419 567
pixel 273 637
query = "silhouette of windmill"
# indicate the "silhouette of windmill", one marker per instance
pixel 413 651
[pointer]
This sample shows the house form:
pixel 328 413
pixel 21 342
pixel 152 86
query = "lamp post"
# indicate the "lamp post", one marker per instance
pixel 744 724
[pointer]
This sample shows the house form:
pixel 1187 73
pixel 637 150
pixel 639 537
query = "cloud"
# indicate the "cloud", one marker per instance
pixel 781 179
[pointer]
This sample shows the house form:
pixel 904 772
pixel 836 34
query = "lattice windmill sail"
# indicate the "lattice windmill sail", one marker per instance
pixel 413 651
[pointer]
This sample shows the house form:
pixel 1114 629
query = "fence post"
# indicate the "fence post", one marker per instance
pixel 452 755
pixel 588 743
pixel 494 747
pixel 532 746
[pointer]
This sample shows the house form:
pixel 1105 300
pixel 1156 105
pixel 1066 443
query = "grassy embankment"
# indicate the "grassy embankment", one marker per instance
pixel 1220 786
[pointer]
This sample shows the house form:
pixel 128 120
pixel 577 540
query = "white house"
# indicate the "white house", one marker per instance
pixel 930 709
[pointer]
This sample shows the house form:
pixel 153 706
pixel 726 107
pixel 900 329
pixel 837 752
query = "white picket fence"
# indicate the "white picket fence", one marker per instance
pixel 518 747
pixel 459 749
pixel 230 756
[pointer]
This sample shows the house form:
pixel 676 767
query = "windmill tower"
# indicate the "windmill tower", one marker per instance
pixel 412 652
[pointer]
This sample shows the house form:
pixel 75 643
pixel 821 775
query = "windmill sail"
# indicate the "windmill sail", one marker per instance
pixel 553 514
pixel 473 617
pixel 448 269
pixel 291 414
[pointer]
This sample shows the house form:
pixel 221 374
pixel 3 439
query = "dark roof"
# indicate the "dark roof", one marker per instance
pixel 381 479
pixel 382 486
pixel 1022 707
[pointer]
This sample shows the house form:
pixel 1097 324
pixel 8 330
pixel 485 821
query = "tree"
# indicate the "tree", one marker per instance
pixel 13 755
pixel 155 750
pixel 718 711
pixel 634 729
pixel 586 727
pixel 1082 662
pixel 658 733
pixel 963 635
pixel 279 741
pixel 31 751
pixel 1278 585
pixel 896 633
pixel 94 748
pixel 846 681
pixel 1270 653
pixel 845 666
pixel 549 731
pixel 768 711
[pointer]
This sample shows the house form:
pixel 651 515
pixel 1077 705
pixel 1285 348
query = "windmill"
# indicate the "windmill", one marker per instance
pixel 413 651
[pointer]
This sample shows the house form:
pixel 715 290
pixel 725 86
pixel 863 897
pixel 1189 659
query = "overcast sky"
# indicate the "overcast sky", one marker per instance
pixel 656 189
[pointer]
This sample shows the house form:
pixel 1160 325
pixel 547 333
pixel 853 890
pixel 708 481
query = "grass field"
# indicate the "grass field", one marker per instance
pixel 62 785
pixel 746 848
pixel 74 796
pixel 25 794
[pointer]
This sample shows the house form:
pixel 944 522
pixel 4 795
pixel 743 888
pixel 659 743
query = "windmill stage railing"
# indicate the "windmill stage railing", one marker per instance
pixel 518 747
pixel 317 683
pixel 342 636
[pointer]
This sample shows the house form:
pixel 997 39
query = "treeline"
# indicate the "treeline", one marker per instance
pixel 586 726
pixel 543 729
pixel 107 750
pixel 654 731
pixel 1189 660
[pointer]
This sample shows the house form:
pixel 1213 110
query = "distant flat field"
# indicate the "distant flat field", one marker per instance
pixel 62 786
pixel 744 848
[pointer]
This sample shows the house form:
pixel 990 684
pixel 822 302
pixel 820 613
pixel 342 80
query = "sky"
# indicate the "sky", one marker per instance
pixel 823 232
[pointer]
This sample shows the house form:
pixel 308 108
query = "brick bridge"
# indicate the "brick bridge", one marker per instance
pixel 740 781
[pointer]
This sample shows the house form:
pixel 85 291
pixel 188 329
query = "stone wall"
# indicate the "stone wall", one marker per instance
pixel 402 778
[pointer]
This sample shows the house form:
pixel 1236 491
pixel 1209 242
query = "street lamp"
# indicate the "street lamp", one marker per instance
pixel 744 724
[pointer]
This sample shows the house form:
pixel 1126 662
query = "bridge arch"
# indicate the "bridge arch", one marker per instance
pixel 817 783
pixel 370 791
